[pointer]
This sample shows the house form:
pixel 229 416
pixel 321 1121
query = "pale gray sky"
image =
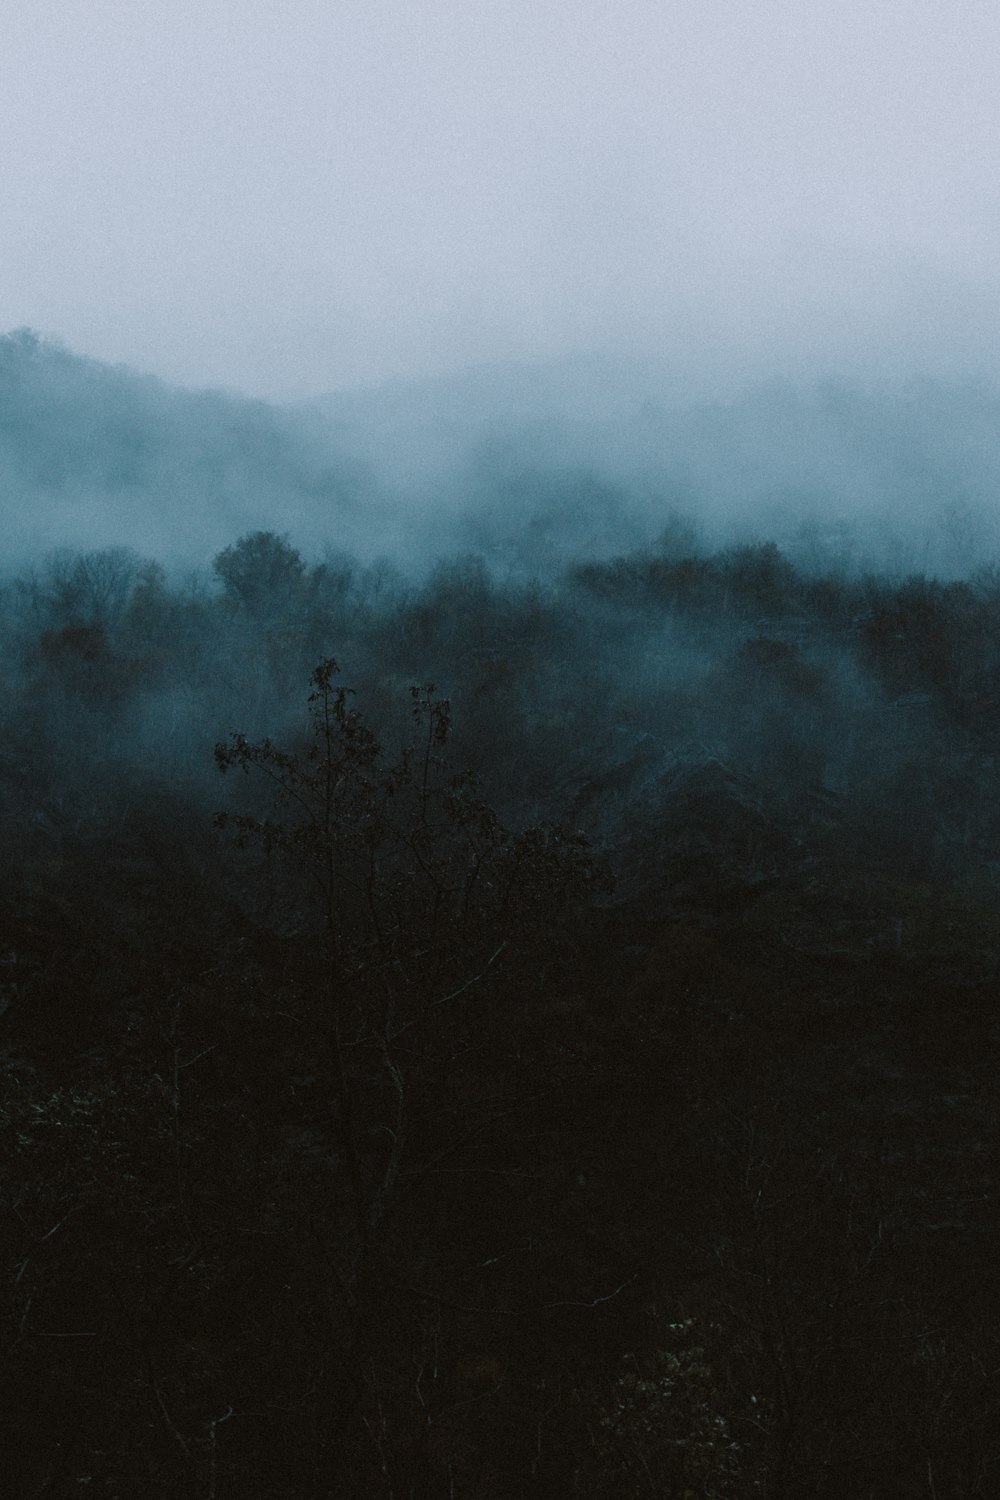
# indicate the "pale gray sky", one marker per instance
pixel 288 196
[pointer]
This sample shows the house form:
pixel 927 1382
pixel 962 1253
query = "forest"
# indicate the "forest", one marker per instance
pixel 481 1029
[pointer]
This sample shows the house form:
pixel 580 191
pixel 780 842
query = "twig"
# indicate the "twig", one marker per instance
pixel 507 1312
pixel 596 1302
pixel 198 1057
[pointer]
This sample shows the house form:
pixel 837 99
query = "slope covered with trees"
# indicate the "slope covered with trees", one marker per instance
pixel 574 1077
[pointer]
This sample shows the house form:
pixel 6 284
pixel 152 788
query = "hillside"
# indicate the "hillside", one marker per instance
pixel 573 1076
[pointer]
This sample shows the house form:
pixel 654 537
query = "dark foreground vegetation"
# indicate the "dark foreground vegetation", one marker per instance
pixel 574 1078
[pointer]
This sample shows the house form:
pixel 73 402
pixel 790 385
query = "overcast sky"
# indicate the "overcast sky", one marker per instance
pixel 289 196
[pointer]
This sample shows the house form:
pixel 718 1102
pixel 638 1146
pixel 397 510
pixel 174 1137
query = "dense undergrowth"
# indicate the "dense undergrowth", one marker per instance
pixel 573 1078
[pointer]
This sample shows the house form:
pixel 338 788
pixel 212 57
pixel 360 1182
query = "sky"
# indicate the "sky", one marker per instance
pixel 285 197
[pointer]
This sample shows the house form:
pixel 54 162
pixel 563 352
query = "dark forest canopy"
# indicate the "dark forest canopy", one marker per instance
pixel 556 1057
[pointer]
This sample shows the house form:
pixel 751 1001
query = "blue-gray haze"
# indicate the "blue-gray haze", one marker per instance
pixel 601 262
pixel 296 197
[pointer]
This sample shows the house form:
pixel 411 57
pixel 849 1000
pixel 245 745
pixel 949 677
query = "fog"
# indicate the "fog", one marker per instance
pixel 545 455
pixel 524 281
pixel 292 199
pixel 532 467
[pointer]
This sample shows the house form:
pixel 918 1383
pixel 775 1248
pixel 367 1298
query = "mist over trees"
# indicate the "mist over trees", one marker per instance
pixel 534 469
pixel 554 1058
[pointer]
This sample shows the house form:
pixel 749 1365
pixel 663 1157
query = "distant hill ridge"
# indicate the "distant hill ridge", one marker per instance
pixel 602 451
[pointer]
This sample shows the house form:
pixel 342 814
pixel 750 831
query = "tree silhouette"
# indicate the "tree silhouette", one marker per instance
pixel 261 572
pixel 414 915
